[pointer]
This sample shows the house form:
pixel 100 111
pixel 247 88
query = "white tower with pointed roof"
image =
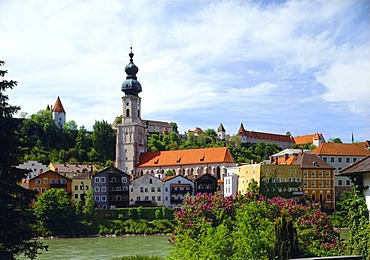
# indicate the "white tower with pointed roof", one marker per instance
pixel 59 114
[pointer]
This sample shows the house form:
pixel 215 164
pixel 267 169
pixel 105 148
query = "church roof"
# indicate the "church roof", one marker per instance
pixel 186 157
pixel 58 107
pixel 221 128
pixel 338 149
pixel 131 86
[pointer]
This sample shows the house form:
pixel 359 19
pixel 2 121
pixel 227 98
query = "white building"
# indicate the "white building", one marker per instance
pixel 34 167
pixel 175 189
pixel 146 190
pixel 231 182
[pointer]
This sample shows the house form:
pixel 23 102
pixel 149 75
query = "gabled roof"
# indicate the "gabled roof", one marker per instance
pixel 197 177
pixel 308 139
pixel 221 128
pixel 50 171
pixel 338 149
pixel 264 136
pixel 58 107
pixel 361 166
pixel 71 168
pixel 312 161
pixel 185 157
pixel 167 178
pixel 111 169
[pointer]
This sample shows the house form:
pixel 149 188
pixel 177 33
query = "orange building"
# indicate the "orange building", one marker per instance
pixel 318 179
pixel 48 180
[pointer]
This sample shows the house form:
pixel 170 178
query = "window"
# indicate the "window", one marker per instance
pixel 320 174
pixel 267 180
pixel 81 187
pixel 104 206
pixel 103 198
pixel 320 183
pixel 62 181
pixel 313 174
pixel 113 179
pixel 97 179
pixel 45 180
pixel 328 184
pixel 36 190
pixel 76 196
pixel 141 189
pixel 332 159
pixel 347 160
pixel 166 189
pixel 153 198
pixel 38 181
pixel 328 197
pixel 76 187
pixel 132 189
pixel 158 198
pixel 284 180
pixel 328 174
pixel 293 179
pixel 138 198
pixel 167 198
pixel 324 159
pixel 124 180
pixel 146 198
pixel 118 188
pixel 52 181
pixel 298 179
pixel 159 189
pixel 305 183
pixel 339 159
pixel 102 179
pixel 289 171
pixel 305 174
pixel 348 182
pixel 124 188
pixel 103 189
pixel 97 198
pixel 87 187
pixel 354 159
pixel 150 181
pixel 313 197
pixel 294 170
pixel 267 170
pixel 43 190
pixel 146 190
pixel 97 189
pixel 152 189
pixel 340 182
pixel 313 184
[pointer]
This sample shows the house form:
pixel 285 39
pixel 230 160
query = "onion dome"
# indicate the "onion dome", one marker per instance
pixel 131 86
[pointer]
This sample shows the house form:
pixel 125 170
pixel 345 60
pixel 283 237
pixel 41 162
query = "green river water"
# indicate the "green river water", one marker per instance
pixel 105 247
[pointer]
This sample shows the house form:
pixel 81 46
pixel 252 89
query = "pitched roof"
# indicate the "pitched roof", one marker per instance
pixel 71 168
pixel 361 166
pixel 58 107
pixel 266 136
pixel 308 139
pixel 365 145
pixel 312 161
pixel 221 128
pixel 340 149
pixel 185 157
pixel 167 178
pixel 50 171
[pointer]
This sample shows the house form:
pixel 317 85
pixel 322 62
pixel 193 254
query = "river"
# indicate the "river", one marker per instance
pixel 105 247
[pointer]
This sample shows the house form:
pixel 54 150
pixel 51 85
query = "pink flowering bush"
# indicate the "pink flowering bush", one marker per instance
pixel 222 227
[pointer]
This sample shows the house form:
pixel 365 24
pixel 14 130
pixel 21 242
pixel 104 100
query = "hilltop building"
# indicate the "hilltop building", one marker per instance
pixel 311 139
pixel 252 137
pixel 131 146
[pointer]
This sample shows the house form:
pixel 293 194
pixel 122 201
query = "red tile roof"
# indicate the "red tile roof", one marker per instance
pixel 58 107
pixel 340 149
pixel 308 139
pixel 185 157
pixel 264 136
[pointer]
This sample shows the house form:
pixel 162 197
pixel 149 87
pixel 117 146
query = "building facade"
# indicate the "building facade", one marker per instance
pixel 175 188
pixel 146 190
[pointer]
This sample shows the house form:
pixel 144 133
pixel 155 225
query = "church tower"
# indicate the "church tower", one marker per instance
pixel 59 114
pixel 131 138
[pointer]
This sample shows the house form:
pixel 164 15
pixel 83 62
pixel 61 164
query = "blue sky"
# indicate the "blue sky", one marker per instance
pixel 275 66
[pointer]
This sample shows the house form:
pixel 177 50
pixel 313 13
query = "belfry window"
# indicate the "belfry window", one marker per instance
pixel 127 112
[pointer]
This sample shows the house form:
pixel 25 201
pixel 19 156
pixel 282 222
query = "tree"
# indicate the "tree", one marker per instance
pixel 335 140
pixel 54 210
pixel 15 222
pixel 104 140
pixel 89 207
pixel 174 127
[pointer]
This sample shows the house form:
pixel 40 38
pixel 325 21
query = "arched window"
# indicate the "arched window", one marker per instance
pixel 218 172
pixel 127 112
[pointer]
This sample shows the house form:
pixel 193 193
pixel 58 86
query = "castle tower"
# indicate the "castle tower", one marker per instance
pixel 131 138
pixel 221 132
pixel 59 114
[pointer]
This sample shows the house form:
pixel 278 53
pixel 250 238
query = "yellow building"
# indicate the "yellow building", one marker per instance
pixel 80 187
pixel 284 180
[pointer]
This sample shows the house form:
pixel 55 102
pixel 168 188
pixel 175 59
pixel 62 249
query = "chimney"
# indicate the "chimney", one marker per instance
pixel 41 171
pixel 286 157
pixel 56 169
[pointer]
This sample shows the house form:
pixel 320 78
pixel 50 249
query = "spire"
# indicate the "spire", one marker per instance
pixel 131 86
pixel 221 128
pixel 241 129
pixel 58 107
pixel 353 138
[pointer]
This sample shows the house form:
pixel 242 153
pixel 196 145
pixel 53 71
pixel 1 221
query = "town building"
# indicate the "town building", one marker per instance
pixel 58 113
pixel 253 137
pixel 111 188
pixel 81 184
pixel 231 182
pixel 360 172
pixel 176 187
pixel 34 167
pixel 187 162
pixel 72 170
pixel 340 155
pixel 146 190
pixel 318 179
pixel 310 139
pixel 48 180
pixel 205 183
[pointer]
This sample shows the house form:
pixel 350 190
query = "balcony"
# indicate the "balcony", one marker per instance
pixel 177 201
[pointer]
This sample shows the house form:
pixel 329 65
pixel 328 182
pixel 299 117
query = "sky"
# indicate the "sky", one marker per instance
pixel 275 66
